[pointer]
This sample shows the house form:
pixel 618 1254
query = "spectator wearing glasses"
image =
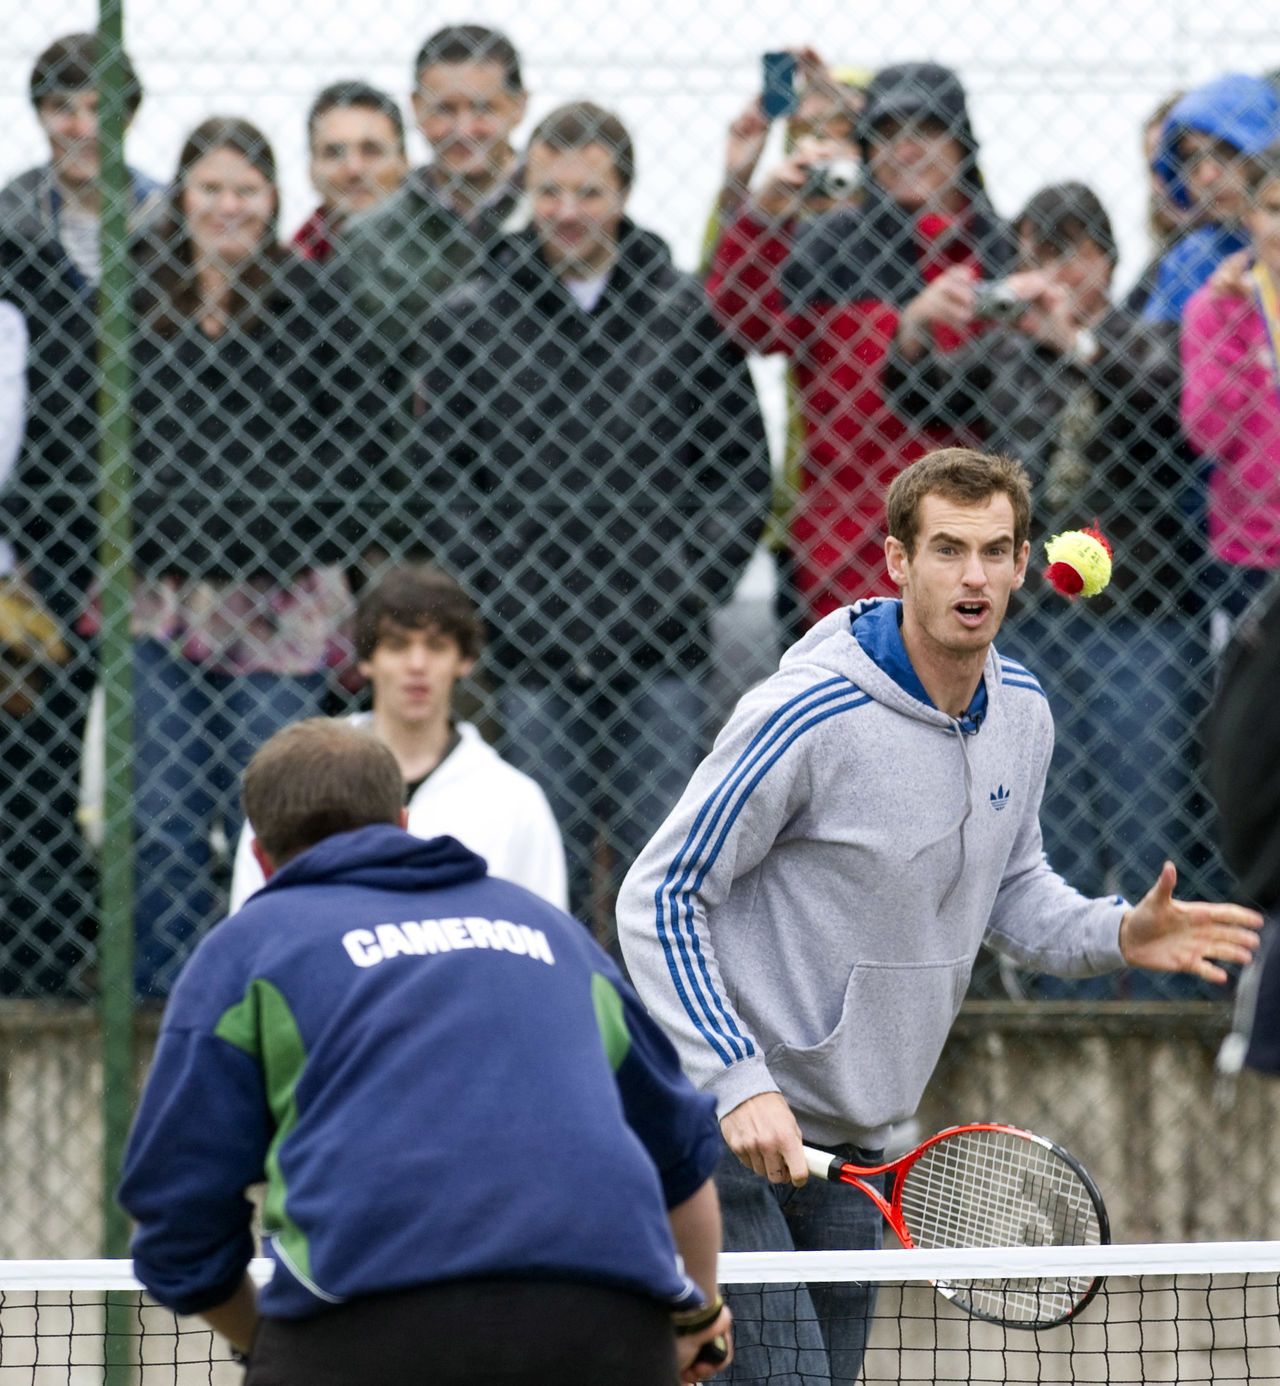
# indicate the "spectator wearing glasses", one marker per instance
pixel 468 99
pixel 435 230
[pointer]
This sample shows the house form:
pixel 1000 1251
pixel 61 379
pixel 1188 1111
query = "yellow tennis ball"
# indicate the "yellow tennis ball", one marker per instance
pixel 1079 562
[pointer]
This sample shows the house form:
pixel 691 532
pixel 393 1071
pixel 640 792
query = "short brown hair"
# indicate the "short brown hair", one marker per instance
pixel 73 63
pixel 355 95
pixel 964 477
pixel 583 123
pixel 418 596
pixel 471 43
pixel 316 778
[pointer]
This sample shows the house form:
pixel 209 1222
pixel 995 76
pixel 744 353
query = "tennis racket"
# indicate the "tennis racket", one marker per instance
pixel 989 1185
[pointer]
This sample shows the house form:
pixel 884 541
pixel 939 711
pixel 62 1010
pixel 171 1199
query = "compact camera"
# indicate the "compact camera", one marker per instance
pixel 833 178
pixel 995 301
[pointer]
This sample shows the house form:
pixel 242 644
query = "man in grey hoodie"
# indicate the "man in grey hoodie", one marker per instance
pixel 805 922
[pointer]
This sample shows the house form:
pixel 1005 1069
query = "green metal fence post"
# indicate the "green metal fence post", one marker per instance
pixel 115 933
pixel 115 938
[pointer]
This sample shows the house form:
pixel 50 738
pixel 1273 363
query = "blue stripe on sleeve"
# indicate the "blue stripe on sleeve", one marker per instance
pixel 1032 686
pixel 673 900
pixel 671 942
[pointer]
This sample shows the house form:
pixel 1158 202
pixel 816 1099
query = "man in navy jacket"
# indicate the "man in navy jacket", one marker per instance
pixel 482 1160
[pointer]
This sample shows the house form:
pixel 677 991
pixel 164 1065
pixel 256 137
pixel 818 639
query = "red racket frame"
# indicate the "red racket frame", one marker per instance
pixel 824 1165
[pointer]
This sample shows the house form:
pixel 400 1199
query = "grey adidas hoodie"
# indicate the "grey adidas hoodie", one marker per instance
pixel 807 918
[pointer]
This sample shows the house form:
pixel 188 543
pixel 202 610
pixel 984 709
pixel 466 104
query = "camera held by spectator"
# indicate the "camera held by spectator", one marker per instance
pixel 998 301
pixel 836 180
pixel 820 106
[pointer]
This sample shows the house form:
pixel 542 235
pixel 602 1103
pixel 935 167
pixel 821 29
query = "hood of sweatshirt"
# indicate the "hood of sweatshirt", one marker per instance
pixel 1239 109
pixel 864 643
pixel 384 857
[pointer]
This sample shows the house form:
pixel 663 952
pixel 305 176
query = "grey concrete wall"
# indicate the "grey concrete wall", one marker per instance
pixel 1129 1090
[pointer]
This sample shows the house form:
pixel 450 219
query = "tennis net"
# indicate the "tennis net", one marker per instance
pixel 1188 1313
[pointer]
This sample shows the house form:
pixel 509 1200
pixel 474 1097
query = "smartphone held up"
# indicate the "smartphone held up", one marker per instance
pixel 778 92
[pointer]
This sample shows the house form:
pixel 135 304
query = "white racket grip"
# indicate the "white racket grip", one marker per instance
pixel 822 1163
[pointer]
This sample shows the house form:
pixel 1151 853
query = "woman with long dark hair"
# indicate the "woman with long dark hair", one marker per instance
pixel 238 433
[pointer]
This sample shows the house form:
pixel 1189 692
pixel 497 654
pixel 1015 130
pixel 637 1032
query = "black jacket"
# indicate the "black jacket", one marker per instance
pixel 872 252
pixel 50 505
pixel 246 445
pixel 601 478
pixel 251 451
pixel 1101 442
pixel 1243 733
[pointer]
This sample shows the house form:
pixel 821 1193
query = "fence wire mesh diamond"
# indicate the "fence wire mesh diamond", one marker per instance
pixel 622 323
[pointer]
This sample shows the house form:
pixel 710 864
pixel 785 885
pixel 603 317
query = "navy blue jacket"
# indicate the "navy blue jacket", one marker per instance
pixel 438 1075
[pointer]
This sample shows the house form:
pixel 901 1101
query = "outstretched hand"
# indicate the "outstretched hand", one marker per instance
pixel 1193 936
pixel 1231 278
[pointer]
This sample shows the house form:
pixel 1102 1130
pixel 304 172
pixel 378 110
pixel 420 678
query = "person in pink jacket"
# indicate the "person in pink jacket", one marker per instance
pixel 1231 397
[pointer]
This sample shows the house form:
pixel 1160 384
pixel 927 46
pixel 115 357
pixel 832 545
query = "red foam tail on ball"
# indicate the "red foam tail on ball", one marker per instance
pixel 1064 578
pixel 1094 531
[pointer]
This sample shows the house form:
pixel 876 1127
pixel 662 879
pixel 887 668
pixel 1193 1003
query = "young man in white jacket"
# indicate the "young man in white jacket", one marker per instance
pixel 804 924
pixel 417 634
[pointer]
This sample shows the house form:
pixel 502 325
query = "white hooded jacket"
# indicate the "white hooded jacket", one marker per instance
pixel 474 795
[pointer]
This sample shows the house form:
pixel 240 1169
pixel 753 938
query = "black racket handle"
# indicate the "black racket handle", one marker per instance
pixel 714 1352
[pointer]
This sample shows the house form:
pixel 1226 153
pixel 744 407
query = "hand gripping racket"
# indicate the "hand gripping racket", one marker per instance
pixel 988 1185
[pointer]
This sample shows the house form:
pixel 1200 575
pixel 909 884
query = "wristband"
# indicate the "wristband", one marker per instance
pixel 695 1320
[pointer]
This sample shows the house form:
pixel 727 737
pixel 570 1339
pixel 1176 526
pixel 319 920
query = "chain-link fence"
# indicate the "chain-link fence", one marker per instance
pixel 624 322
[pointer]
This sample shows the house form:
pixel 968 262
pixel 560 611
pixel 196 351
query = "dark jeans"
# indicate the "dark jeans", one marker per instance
pixel 47 881
pixel 195 732
pixel 798 1335
pixel 613 759
pixel 1264 1037
pixel 477 1333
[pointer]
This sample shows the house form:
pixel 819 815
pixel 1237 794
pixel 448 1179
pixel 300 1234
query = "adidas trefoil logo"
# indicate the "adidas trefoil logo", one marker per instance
pixel 1000 798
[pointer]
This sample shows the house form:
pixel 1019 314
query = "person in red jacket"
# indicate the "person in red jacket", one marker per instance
pixel 832 293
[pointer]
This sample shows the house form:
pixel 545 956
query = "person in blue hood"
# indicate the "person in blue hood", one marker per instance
pixel 482 1160
pixel 1202 156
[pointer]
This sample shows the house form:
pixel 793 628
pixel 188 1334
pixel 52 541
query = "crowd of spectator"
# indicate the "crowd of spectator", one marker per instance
pixel 486 363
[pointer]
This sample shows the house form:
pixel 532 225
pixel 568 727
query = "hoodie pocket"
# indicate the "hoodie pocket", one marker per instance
pixel 872 1068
